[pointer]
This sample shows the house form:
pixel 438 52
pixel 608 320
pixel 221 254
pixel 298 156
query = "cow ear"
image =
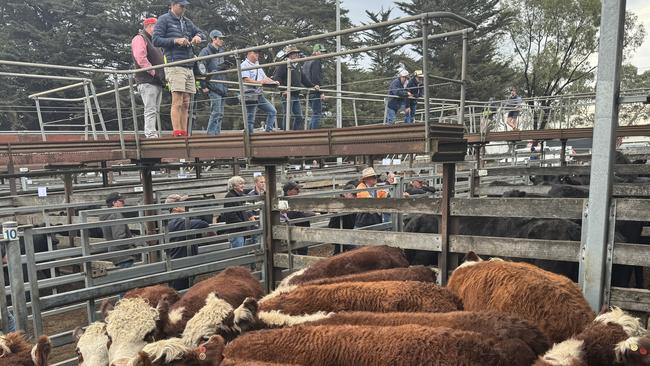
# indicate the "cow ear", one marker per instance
pixel 246 314
pixel 106 308
pixel 41 351
pixel 77 333
pixel 471 257
pixel 163 315
pixel 210 353
pixel 141 360
pixel 604 309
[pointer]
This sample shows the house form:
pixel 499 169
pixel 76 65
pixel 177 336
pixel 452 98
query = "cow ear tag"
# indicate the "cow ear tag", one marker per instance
pixel 202 355
pixel 634 347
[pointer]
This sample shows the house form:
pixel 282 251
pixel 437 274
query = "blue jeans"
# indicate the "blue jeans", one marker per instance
pixel 391 114
pixel 410 117
pixel 237 242
pixel 264 105
pixel 297 119
pixel 316 105
pixel 216 114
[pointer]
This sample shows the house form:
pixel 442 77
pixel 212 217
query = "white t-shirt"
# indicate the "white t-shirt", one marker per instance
pixel 256 74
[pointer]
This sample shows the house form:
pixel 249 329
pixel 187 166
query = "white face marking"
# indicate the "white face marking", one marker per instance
pixel 92 345
pixel 564 353
pixel 128 325
pixel 631 325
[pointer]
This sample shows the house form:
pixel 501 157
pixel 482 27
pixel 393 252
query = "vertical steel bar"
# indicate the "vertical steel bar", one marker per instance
pixel 40 118
pixel 463 77
pixel 146 178
pixel 354 110
pixel 339 105
pixel 448 180
pixel 4 312
pixel 134 116
pixel 271 218
pixel 88 270
pixel 425 73
pixel 190 122
pixel 104 174
pixel 67 189
pixel 118 107
pixel 99 109
pixel 287 116
pixel 247 131
pixel 17 283
pixel 86 122
pixel 89 107
pixel 305 127
pixel 563 153
pixel 35 296
pixel 592 265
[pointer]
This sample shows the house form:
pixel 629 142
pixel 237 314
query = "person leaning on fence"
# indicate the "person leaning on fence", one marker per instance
pixel 182 224
pixel 312 77
pixel 236 186
pixel 176 34
pixel 419 186
pixel 216 91
pixel 117 231
pixel 150 83
pixel 398 97
pixel 254 94
pixel 289 189
pixel 415 86
pixel 369 180
pixel 514 105
pixel 281 75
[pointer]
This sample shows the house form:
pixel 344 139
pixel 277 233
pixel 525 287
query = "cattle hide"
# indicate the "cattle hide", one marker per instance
pixel 355 261
pixel 375 346
pixel 383 296
pixel 551 301
pixel 413 273
pixel 16 351
pixel 92 345
pixel 154 294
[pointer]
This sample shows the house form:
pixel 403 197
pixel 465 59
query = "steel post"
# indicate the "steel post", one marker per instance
pixel 271 219
pixel 354 110
pixel 67 189
pixel 562 153
pixel 33 282
pixel 448 187
pixel 592 265
pixel 4 312
pixel 40 118
pixel 305 127
pixel 16 280
pixel 102 123
pixel 190 117
pixel 89 108
pixel 247 132
pixel 134 117
pixel 118 108
pixel 86 121
pixel 425 72
pixel 104 173
pixel 287 116
pixel 146 179
pixel 463 77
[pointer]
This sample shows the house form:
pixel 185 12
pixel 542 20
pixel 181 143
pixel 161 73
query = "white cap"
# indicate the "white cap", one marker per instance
pixel 404 72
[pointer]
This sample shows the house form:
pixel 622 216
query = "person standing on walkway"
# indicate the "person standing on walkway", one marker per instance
pixel 281 75
pixel 514 103
pixel 215 90
pixel 176 34
pixel 415 86
pixel 254 94
pixel 312 77
pixel 150 83
pixel 398 97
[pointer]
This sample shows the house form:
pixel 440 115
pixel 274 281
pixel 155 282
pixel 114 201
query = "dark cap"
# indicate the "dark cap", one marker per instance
pixel 182 2
pixel 115 196
pixel 289 186
pixel 217 34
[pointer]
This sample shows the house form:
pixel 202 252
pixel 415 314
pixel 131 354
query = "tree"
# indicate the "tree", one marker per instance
pixel 383 61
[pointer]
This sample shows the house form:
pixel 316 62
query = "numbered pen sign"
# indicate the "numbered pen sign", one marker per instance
pixel 10 230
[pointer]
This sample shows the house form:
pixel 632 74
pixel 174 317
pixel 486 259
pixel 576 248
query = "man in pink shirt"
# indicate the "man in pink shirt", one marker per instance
pixel 150 83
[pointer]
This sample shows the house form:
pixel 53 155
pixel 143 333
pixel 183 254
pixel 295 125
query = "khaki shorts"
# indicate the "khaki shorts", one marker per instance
pixel 180 79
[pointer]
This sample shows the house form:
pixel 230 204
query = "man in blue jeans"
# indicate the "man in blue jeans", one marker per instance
pixel 312 77
pixel 398 97
pixel 281 75
pixel 216 91
pixel 253 94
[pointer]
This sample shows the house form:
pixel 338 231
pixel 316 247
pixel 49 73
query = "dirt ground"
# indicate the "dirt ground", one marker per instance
pixel 60 323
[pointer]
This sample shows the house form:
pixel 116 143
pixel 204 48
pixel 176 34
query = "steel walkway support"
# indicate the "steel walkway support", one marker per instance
pixel 594 247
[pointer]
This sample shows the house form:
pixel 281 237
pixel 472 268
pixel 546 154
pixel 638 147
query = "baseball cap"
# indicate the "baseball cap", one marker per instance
pixel 173 198
pixel 182 2
pixel 318 47
pixel 150 21
pixel 112 197
pixel 289 186
pixel 404 72
pixel 217 34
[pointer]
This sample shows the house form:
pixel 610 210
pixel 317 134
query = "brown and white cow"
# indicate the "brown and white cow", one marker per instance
pixel 405 345
pixel 92 345
pixel 154 294
pixel 382 296
pixel 634 351
pixel 605 341
pixel 15 350
pixel 231 286
pixel 355 261
pixel 551 301
pixel 413 273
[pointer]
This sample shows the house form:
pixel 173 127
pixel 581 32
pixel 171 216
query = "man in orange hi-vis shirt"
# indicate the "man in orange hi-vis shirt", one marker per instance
pixel 369 180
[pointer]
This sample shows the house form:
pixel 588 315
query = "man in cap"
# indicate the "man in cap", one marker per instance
pixel 289 189
pixel 398 97
pixel 181 224
pixel 254 94
pixel 281 75
pixel 216 91
pixel 419 186
pixel 369 180
pixel 117 232
pixel 176 34
pixel 312 77
pixel 415 86
pixel 150 83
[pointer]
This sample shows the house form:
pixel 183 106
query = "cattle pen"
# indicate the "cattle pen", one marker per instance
pixel 74 277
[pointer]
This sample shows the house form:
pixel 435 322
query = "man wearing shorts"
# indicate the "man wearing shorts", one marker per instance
pixel 514 103
pixel 176 34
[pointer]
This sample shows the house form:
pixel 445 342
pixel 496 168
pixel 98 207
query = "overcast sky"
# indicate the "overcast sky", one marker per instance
pixel 641 8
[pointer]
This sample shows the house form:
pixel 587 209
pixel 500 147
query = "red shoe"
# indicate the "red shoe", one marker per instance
pixel 176 133
pixel 183 133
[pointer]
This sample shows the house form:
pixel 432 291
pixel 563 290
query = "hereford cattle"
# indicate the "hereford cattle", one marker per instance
pixel 552 302
pixel 92 345
pixel 413 273
pixel 383 296
pixel 635 351
pixel 496 325
pixel 154 294
pixel 603 342
pixel 15 350
pixel 406 345
pixel 359 260
pixel 233 285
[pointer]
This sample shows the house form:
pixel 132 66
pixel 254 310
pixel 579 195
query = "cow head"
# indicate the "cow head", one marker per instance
pixel 130 326
pixel 631 325
pixel 15 350
pixel 92 345
pixel 634 351
pixel 173 352
pixel 567 353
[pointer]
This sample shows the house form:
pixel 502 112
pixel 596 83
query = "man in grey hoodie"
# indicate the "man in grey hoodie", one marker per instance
pixel 116 232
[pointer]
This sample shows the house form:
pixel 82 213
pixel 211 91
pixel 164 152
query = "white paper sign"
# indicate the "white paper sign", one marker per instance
pixel 138 189
pixel 29 181
pixel 397 161
pixel 42 191
pixel 296 167
pixel 182 160
pixel 482 173
pixel 385 162
pixel 23 170
pixel 257 174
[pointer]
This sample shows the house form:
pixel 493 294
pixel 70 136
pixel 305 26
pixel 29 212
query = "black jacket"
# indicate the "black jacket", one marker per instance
pixel 347 221
pixel 237 216
pixel 280 75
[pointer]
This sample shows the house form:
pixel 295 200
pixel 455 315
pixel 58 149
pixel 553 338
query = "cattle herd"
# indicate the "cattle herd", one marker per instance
pixel 363 307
